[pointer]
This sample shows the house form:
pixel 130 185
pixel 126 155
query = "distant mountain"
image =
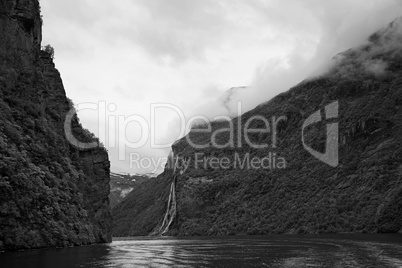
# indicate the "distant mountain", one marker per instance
pixel 122 184
pixel 334 164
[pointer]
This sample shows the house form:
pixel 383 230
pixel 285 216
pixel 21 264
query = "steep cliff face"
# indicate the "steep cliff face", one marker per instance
pixel 51 193
pixel 358 189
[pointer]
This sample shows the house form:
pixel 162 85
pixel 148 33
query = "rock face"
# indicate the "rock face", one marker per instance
pixel 360 96
pixel 51 193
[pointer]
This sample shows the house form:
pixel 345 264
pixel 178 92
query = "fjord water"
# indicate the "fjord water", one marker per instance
pixel 235 251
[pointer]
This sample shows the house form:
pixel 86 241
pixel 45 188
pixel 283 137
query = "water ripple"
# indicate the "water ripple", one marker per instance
pixel 239 251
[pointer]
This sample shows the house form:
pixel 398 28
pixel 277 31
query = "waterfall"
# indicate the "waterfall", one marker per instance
pixel 171 205
pixel 170 210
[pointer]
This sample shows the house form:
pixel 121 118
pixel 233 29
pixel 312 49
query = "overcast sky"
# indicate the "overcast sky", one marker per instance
pixel 188 53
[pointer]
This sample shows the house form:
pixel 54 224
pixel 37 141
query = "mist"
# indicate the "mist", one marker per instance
pixel 203 57
pixel 341 25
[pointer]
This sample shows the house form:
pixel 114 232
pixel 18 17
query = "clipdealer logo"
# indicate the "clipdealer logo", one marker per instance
pixel 112 131
pixel 331 156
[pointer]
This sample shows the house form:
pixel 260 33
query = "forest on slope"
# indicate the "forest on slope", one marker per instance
pixel 52 194
pixel 362 193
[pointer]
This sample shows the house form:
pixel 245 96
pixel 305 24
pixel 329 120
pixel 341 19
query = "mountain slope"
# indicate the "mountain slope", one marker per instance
pixel 360 96
pixel 121 185
pixel 51 193
pixel 143 208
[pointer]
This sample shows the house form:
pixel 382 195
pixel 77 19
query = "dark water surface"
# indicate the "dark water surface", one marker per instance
pixel 235 251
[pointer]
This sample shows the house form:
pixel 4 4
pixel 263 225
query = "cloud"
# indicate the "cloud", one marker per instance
pixel 180 29
pixel 125 192
pixel 332 27
pixel 188 53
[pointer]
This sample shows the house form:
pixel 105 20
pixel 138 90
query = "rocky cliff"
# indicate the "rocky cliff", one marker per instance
pixel 333 161
pixel 51 192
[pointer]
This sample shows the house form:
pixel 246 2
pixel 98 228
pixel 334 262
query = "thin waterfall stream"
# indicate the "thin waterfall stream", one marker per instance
pixel 170 210
pixel 171 205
